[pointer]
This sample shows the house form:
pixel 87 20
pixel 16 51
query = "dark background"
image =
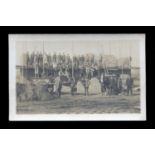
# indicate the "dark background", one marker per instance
pixel 150 89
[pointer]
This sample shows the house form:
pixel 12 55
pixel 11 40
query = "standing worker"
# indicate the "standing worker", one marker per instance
pixel 87 83
pixel 119 85
pixel 129 84
pixel 102 83
pixel 36 66
pixel 111 85
pixel 72 85
pixel 58 85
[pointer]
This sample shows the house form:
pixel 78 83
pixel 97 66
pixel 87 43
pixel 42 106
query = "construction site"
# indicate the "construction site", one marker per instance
pixel 35 83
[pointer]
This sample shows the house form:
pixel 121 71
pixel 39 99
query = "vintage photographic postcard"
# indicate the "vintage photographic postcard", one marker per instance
pixel 77 77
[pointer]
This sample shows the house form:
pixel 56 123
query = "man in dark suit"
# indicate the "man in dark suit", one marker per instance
pixel 129 84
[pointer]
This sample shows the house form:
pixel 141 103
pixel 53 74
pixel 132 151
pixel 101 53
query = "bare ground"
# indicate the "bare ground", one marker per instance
pixel 82 104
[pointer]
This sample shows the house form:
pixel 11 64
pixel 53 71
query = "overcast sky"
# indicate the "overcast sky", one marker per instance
pixel 118 48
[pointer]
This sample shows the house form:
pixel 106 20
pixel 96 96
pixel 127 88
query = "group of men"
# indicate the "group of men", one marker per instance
pixel 50 64
pixel 84 67
pixel 53 60
pixel 47 64
pixel 110 85
pixel 58 86
pixel 113 85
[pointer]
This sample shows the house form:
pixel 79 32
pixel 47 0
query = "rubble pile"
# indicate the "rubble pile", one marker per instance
pixel 33 91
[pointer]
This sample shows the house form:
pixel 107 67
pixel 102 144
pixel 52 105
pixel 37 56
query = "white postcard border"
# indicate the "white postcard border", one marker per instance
pixel 69 117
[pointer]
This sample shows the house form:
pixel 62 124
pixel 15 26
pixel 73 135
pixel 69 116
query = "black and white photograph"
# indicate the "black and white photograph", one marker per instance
pixel 77 77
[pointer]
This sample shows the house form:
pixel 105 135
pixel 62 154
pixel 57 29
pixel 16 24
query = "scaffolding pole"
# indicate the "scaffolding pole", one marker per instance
pixel 72 60
pixel 43 60
pixel 130 59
